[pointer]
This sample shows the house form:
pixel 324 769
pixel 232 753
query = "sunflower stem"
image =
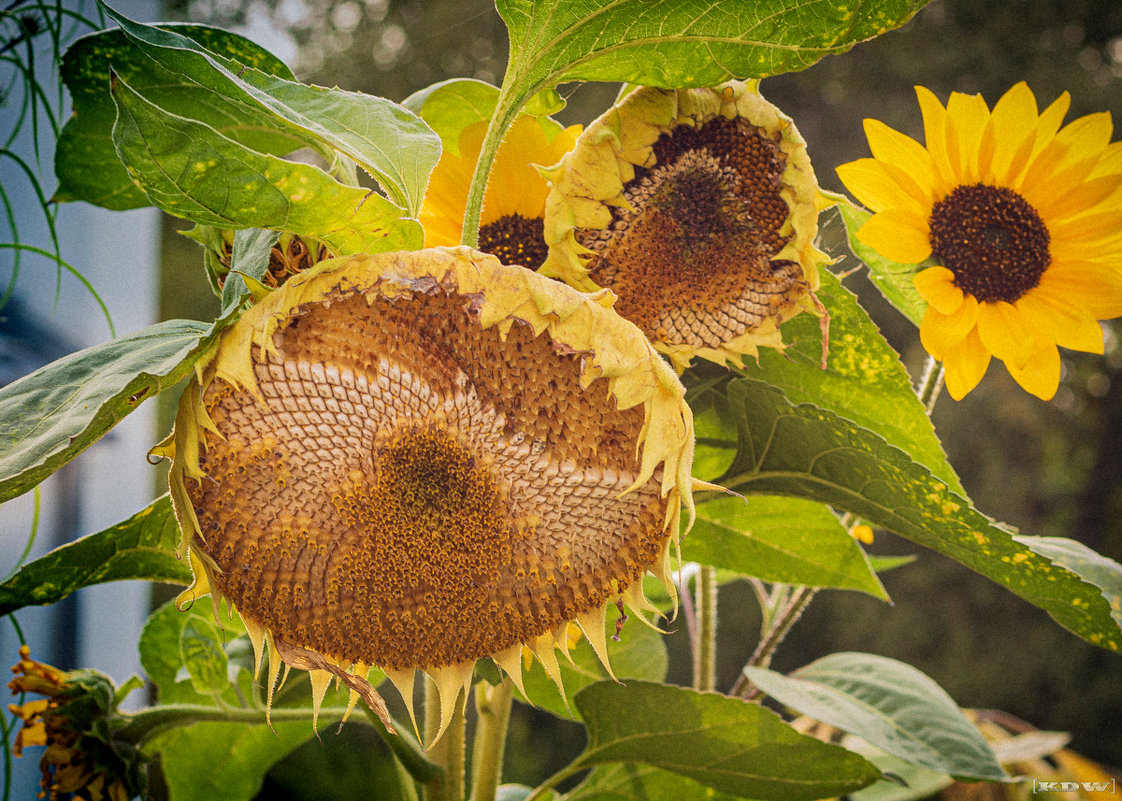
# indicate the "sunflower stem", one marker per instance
pixel 506 111
pixel 138 727
pixel 791 603
pixel 493 705
pixel 448 751
pixel 705 648
pixel 930 384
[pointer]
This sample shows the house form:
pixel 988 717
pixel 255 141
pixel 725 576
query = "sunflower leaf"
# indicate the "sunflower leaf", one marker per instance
pixel 50 416
pixel 626 781
pixel 892 279
pixel 1092 567
pixel 391 143
pixel 142 547
pixel 788 540
pixel 683 43
pixel 86 162
pixel 888 704
pixel 223 760
pixel 718 741
pixel 450 106
pixel 192 171
pixel 809 452
pixel 864 380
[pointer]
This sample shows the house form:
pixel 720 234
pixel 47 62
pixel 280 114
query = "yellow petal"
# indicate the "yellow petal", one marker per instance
pixel 901 151
pixel 897 235
pixel 968 115
pixel 1041 374
pixel 1094 288
pixel 881 186
pixel 965 364
pixel 935 136
pixel 1080 197
pixel 1060 323
pixel 1005 332
pixel 936 286
pixel 940 333
pixel 1014 119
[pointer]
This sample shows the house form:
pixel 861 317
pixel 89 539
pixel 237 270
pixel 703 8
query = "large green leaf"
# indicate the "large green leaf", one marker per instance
pixel 86 162
pixel 629 781
pixel 391 143
pixel 684 42
pixel 450 106
pixel 192 171
pixel 223 760
pixel 50 416
pixel 1092 567
pixel 864 380
pixel 722 742
pixel 789 540
pixel 142 547
pixel 889 704
pixel 805 451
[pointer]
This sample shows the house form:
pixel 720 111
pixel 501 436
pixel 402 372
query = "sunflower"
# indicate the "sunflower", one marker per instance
pixel 1022 218
pixel 699 209
pixel 514 201
pixel 418 460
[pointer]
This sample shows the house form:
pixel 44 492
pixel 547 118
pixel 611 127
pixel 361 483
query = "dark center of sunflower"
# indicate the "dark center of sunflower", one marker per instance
pixel 992 240
pixel 515 239
pixel 697 199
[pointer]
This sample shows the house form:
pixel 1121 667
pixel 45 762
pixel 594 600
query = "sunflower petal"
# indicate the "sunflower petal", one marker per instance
pixel 970 116
pixel 897 235
pixel 1014 117
pixel 940 333
pixel 1092 287
pixel 965 364
pixel 1060 324
pixel 935 125
pixel 879 186
pixel 1041 374
pixel 1005 333
pixel 900 151
pixel 936 286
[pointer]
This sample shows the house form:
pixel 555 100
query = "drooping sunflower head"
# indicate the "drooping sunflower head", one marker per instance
pixel 514 201
pixel 1022 218
pixel 699 209
pixel 418 460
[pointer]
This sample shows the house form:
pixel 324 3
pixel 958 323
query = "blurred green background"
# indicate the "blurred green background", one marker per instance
pixel 1047 468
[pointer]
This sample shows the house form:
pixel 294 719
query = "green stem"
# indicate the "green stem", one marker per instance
pixel 147 723
pixel 448 751
pixel 794 606
pixel 493 705
pixel 505 113
pixel 705 649
pixel 930 384
pixel 558 777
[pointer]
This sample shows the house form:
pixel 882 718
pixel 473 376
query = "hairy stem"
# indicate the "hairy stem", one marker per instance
pixel 448 751
pixel 493 705
pixel 930 384
pixel 505 113
pixel 705 646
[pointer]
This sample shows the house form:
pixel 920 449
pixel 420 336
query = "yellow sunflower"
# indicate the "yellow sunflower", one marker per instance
pixel 418 460
pixel 699 209
pixel 1023 219
pixel 514 201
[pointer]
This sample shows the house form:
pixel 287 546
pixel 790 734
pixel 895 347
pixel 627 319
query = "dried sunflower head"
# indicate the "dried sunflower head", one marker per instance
pixel 417 460
pixel 699 209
